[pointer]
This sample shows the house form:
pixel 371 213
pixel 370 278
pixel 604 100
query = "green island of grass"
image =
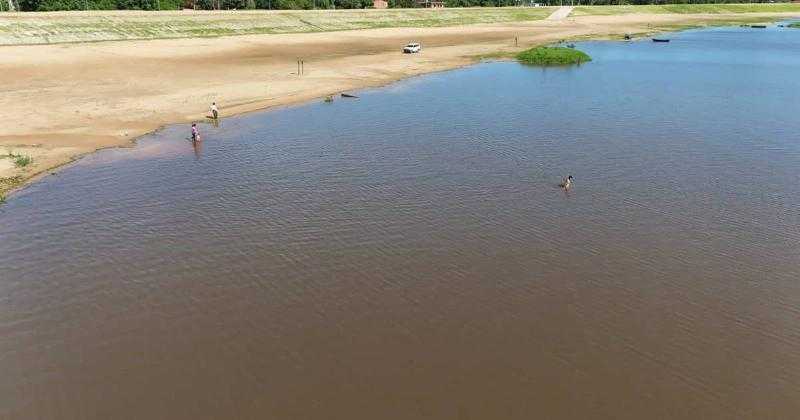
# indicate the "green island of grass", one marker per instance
pixel 794 25
pixel 553 56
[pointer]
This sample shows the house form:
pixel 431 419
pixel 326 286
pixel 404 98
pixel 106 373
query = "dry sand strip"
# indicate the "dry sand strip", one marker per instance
pixel 65 100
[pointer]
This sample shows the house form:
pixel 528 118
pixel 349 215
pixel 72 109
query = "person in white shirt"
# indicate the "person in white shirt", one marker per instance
pixel 214 110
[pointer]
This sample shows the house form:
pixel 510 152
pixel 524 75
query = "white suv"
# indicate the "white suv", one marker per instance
pixel 412 48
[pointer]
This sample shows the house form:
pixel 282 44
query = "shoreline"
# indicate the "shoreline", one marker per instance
pixel 359 60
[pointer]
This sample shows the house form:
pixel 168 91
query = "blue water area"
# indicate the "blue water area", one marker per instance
pixel 409 254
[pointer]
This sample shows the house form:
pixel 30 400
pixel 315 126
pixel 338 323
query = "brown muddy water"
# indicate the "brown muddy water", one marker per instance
pixel 409 255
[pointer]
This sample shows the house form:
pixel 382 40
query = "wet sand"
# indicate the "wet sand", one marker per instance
pixel 65 100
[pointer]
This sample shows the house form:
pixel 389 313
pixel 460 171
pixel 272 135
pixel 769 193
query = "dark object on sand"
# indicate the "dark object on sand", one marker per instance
pixel 758 26
pixel 347 95
pixel 627 37
pixel 660 40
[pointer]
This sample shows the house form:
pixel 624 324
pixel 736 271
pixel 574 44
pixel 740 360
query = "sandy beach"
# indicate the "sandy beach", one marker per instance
pixel 65 100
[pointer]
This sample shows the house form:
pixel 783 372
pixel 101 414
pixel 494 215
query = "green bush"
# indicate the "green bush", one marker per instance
pixel 20 161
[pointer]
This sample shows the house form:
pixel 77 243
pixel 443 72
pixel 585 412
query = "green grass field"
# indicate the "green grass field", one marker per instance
pixel 61 27
pixel 688 8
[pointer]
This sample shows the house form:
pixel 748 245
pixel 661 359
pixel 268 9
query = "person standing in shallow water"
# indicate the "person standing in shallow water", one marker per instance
pixel 214 110
pixel 195 133
pixel 198 149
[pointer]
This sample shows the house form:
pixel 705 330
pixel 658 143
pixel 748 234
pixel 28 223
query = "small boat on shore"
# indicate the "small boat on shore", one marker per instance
pixel 758 26
pixel 347 95
pixel 660 40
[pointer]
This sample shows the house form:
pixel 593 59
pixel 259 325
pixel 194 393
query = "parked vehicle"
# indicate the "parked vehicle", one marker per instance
pixel 411 48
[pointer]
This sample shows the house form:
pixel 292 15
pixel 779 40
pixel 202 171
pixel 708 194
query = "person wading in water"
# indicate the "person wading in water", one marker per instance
pixel 195 133
pixel 214 110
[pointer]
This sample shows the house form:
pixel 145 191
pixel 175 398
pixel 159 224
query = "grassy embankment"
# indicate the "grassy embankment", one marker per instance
pixel 553 56
pixel 60 27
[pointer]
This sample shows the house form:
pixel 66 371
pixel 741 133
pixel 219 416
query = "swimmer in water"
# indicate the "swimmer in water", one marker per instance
pixel 195 133
pixel 566 183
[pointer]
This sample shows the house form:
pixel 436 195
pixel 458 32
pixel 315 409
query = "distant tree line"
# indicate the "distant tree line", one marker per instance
pixel 47 5
pixel 51 5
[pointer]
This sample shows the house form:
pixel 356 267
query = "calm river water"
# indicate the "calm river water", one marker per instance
pixel 409 255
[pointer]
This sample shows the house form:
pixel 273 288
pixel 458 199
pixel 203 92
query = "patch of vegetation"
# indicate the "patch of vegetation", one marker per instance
pixel 20 161
pixel 794 25
pixel 7 184
pixel 553 56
